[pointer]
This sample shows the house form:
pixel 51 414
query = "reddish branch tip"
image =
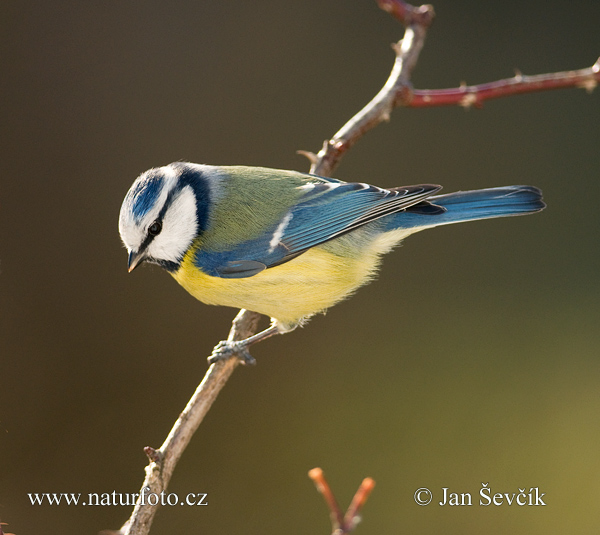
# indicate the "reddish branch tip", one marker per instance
pixel 337 518
pixel 352 518
pixel 408 14
pixel 342 524
pixel 316 474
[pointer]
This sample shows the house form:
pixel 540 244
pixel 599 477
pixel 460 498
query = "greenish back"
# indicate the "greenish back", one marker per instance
pixel 253 200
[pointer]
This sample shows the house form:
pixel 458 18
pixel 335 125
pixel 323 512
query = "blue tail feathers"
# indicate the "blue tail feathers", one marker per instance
pixel 471 205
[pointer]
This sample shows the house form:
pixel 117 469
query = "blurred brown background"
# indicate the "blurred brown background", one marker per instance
pixel 474 358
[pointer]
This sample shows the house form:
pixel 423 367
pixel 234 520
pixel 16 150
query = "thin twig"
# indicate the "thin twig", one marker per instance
pixel 352 518
pixel 475 95
pixel 342 524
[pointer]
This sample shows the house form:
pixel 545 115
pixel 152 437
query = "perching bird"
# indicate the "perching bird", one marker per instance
pixel 283 243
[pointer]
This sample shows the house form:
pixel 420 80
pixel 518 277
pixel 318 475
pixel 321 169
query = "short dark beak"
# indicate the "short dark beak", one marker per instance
pixel 134 260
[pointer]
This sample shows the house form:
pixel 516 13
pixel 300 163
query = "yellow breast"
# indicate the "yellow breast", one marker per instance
pixel 308 284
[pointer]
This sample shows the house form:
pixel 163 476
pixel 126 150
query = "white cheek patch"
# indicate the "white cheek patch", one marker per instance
pixel 179 228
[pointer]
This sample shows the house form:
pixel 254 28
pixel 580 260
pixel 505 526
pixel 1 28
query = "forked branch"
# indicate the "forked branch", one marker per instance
pixel 398 90
pixel 342 524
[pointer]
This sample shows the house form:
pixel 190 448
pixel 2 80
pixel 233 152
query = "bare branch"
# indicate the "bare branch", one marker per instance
pixel 163 461
pixel 475 95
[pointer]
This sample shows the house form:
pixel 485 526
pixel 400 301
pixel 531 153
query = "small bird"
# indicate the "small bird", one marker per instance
pixel 282 243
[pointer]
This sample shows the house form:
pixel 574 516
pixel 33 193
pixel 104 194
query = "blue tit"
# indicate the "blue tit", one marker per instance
pixel 282 243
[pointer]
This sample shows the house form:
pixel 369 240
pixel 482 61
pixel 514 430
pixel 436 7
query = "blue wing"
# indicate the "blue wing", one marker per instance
pixel 324 212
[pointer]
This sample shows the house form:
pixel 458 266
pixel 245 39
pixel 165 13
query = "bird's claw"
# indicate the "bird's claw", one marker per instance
pixel 226 349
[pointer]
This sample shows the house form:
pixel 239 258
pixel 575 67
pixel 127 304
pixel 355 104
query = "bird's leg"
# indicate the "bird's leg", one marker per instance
pixel 239 349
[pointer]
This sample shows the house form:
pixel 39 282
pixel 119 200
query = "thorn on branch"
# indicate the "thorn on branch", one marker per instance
pixel 397 47
pixel 154 455
pixel 342 524
pixel 312 157
pixel 518 75
pixel 589 85
pixel 468 101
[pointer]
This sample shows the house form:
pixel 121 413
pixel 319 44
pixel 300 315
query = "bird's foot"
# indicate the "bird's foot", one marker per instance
pixel 226 349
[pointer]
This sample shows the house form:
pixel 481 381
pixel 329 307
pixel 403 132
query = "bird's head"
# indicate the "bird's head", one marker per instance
pixel 163 212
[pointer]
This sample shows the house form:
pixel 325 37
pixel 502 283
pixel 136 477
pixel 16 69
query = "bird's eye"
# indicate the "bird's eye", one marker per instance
pixel 155 228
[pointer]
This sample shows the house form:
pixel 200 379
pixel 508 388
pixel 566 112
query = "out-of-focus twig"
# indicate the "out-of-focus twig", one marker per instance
pixel 342 524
